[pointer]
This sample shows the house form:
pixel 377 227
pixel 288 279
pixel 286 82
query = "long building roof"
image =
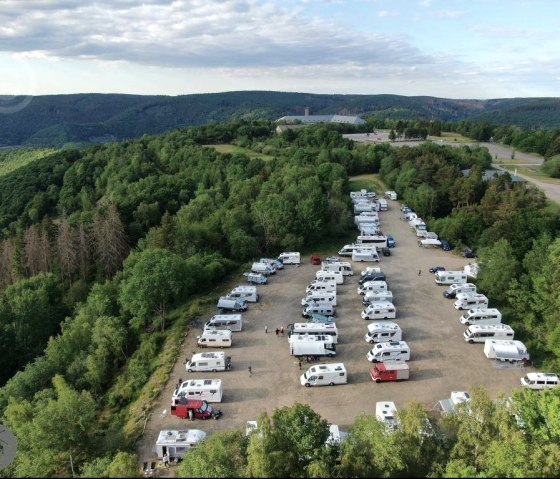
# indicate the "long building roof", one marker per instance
pixel 353 120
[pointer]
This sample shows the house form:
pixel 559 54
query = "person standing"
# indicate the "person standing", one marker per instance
pixel 250 371
pixel 419 272
pixel 266 328
pixel 277 331
pixel 282 330
pixel 166 459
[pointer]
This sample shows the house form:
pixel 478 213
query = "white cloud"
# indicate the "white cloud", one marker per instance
pixel 387 13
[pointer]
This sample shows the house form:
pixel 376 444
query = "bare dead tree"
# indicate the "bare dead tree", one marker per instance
pixel 66 248
pixel 7 256
pixel 46 252
pixel 84 249
pixel 111 241
pixel 32 250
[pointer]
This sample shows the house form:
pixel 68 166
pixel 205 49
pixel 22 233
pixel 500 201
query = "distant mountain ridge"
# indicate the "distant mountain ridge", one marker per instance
pixel 55 120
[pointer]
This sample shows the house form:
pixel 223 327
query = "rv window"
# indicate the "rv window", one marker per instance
pixel 202 364
pixel 319 377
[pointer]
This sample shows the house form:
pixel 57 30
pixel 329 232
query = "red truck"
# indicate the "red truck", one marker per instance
pixel 194 409
pixel 389 371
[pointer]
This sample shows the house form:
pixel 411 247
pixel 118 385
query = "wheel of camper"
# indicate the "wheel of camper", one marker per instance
pixel 331 384
pixel 190 370
pixel 307 385
pixel 471 341
pixel 214 370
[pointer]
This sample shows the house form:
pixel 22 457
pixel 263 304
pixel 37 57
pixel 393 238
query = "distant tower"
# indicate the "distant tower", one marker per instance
pixel 306 111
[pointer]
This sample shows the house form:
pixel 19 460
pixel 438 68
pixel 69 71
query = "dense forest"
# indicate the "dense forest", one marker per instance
pixel 107 254
pixel 76 120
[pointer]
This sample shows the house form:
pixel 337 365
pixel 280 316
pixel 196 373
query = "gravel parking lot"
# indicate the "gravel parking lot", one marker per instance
pixel 441 361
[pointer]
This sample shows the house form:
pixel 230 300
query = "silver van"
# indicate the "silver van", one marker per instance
pixel 226 303
pixel 233 322
pixel 319 308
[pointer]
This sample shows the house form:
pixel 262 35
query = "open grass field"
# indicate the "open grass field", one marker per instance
pixel 225 148
pixel 13 158
pixel 451 136
pixel 371 182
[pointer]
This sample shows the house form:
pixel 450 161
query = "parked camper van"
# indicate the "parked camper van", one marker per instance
pixel 365 254
pixel 262 268
pixel 256 278
pixel 370 270
pixel 215 339
pixel 312 345
pixel 318 308
pixel 324 374
pixel 382 204
pixel 390 371
pixel 450 277
pixel 343 266
pixel 346 250
pixel 377 296
pixel 391 194
pixel 321 287
pixel 231 304
pixel 328 297
pixel 471 301
pixel 378 241
pixel 479 333
pixel 457 288
pixel 314 328
pixel 506 350
pixel 391 350
pixel 372 277
pixel 335 276
pixel 248 293
pixel 176 443
pixel 540 380
pixel 481 316
pixel 233 322
pixel 210 361
pixel 290 258
pixel 372 286
pixel 384 310
pixel 383 331
pixel 386 412
pixel 210 390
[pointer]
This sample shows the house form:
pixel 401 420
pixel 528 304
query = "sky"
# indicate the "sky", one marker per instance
pixel 472 49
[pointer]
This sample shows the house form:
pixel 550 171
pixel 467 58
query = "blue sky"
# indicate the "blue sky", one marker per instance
pixel 446 48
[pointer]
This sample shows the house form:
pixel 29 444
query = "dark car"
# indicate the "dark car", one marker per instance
pixel 386 251
pixel 446 245
pixel 391 243
pixel 467 252
pixel 373 277
pixel 435 269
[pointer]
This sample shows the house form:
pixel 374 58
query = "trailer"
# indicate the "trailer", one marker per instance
pixel 176 443
pixel 506 350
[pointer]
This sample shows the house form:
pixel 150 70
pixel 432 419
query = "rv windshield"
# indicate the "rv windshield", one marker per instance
pixel 469 333
pixel 204 406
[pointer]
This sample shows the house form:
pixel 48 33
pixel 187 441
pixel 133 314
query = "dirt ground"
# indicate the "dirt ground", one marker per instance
pixel 441 361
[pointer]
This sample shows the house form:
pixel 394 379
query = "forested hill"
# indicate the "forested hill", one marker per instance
pixel 59 120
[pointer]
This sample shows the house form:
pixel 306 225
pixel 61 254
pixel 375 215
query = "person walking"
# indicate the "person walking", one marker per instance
pixel 250 371
pixel 277 331
pixel 282 330
pixel 166 459
pixel 419 272
pixel 299 363
pixel 266 328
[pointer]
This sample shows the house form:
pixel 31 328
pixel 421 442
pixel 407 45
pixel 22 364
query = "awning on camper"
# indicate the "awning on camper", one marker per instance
pixel 430 242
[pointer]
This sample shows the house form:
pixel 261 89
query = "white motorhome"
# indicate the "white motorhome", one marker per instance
pixel 377 296
pixel 343 266
pixel 382 204
pixel 217 338
pixel 373 286
pixel 226 303
pixel 479 333
pixel 471 301
pixel 321 286
pixel 262 268
pixel 335 276
pixel 450 277
pixel 391 194
pixel 318 308
pixel 248 293
pixel 176 443
pixel 233 322
pixel 314 328
pixel 361 207
pixel 365 254
pixel 540 380
pixel 382 331
pixel 328 297
pixel 390 350
pixel 370 269
pixel 506 350
pixel 386 412
pixel 369 229
pixel 481 316
pixel 430 242
pixel 379 241
pixel 346 250
pixel 209 390
pixel 457 288
pixel 312 345
pixel 209 361
pixel 381 310
pixel 290 258
pixel 324 375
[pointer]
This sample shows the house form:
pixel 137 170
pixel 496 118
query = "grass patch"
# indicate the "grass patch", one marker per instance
pixel 367 182
pixel 536 174
pixel 505 162
pixel 226 148
pixel 13 158
pixel 451 136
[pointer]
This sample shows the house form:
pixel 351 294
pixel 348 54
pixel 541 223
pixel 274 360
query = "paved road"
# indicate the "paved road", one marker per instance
pixel 498 152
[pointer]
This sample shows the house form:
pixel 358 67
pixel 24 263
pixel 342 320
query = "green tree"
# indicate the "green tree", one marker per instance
pixel 153 280
pixel 220 455
pixel 498 267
